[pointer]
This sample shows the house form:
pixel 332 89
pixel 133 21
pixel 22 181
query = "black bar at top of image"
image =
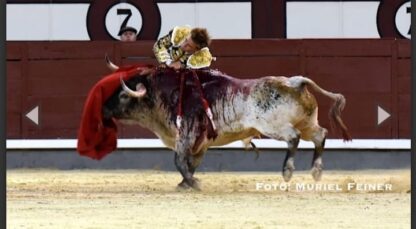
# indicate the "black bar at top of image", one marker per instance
pixel 3 114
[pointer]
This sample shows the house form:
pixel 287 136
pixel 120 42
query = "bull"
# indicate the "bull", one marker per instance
pixel 280 108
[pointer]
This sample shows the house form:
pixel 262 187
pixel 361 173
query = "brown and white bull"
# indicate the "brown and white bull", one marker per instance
pixel 280 108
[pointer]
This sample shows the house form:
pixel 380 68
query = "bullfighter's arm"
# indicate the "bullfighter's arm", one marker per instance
pixel 160 49
pixel 200 59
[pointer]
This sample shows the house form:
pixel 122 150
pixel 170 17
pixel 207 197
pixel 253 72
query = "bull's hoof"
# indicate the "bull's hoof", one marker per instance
pixel 194 184
pixel 287 174
pixel 183 186
pixel 316 173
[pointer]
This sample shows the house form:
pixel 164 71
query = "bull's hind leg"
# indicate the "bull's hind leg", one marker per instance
pixel 289 162
pixel 291 136
pixel 318 139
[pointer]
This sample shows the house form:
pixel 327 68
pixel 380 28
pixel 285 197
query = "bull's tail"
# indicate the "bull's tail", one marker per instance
pixel 336 108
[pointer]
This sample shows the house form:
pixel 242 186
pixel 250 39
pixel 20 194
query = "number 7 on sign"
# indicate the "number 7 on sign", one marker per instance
pixel 126 12
pixel 409 11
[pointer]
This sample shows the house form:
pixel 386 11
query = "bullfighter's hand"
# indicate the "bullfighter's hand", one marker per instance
pixel 162 65
pixel 176 65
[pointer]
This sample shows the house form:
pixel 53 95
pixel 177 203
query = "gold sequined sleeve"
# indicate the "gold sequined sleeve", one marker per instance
pixel 160 48
pixel 200 59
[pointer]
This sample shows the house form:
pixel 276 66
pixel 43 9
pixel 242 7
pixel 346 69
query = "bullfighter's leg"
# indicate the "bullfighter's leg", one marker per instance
pixel 319 141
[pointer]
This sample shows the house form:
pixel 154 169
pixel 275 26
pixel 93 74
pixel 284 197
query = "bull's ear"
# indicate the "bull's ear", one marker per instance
pixel 140 90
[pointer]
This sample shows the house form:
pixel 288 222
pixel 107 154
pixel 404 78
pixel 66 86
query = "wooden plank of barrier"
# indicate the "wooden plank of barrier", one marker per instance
pixel 254 67
pixel 348 47
pixel 51 133
pixel 48 77
pixel 404 116
pixel 139 60
pixel 137 49
pixel 404 85
pixel 404 76
pixel 13 125
pixel 13 51
pixel 255 47
pixel 69 50
pixel 14 98
pixel 14 86
pixel 404 48
pixel 404 68
pixel 348 74
pixel 59 116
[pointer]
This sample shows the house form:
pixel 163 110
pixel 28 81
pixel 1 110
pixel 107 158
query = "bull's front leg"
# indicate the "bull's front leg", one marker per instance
pixel 193 162
pixel 183 165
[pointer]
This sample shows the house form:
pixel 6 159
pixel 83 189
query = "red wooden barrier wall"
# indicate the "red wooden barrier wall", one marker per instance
pixel 58 75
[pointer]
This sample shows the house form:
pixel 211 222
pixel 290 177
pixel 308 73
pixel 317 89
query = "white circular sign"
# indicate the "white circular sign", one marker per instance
pixel 403 19
pixel 122 14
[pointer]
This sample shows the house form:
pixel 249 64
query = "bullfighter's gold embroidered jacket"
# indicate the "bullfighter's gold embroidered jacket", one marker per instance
pixel 167 49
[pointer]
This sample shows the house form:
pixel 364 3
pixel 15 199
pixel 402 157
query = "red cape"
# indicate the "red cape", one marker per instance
pixel 96 139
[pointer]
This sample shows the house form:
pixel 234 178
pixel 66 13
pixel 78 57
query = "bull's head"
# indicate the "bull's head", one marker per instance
pixel 130 100
pixel 125 101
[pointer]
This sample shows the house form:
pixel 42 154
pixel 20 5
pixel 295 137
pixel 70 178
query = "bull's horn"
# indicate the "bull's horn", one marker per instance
pixel 141 89
pixel 110 64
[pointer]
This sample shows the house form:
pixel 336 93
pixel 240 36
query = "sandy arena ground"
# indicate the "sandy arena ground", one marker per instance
pixel 149 199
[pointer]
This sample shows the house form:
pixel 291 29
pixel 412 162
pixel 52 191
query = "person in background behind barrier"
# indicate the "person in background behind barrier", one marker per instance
pixel 128 34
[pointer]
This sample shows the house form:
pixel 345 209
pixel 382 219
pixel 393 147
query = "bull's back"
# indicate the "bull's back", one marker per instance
pixel 280 100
